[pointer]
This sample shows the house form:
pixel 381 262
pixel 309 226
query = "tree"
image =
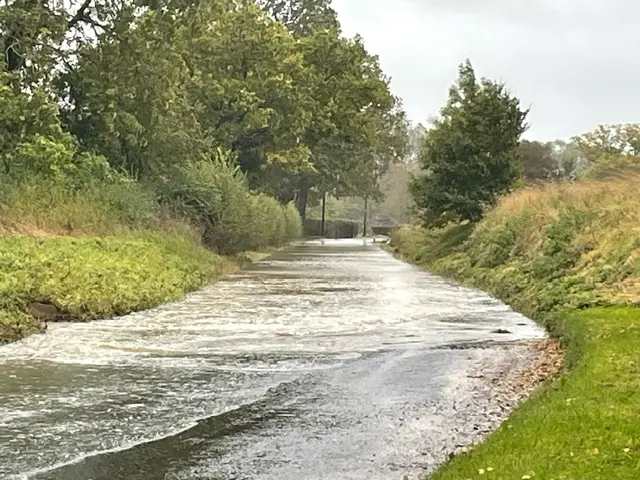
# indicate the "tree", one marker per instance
pixel 155 84
pixel 358 126
pixel 397 197
pixel 127 99
pixel 173 89
pixel 469 156
pixel 610 140
pixel 568 157
pixel 302 16
pixel 41 38
pixel 538 161
pixel 416 137
pixel 251 83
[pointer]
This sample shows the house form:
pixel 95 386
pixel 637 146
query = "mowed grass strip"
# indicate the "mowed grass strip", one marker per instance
pixel 584 425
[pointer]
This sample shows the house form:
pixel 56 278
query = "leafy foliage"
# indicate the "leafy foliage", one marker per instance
pixel 610 140
pixel 360 128
pixel 151 86
pixel 538 160
pixel 469 157
pixel 301 17
pixel 214 193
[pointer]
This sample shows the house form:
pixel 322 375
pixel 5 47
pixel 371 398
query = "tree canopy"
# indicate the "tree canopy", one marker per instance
pixel 150 85
pixel 538 160
pixel 610 140
pixel 301 17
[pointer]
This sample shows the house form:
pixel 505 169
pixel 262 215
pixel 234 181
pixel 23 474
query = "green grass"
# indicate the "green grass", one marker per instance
pixel 583 426
pixel 90 278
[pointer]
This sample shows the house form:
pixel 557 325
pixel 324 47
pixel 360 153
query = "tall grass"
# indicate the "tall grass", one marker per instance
pixel 47 206
pixel 567 245
pixel 588 230
pixel 204 201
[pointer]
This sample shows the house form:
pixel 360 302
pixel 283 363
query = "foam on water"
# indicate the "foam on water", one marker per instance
pixel 88 387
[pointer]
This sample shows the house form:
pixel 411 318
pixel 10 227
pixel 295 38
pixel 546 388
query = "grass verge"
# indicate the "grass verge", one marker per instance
pixel 567 256
pixel 83 279
pixel 582 426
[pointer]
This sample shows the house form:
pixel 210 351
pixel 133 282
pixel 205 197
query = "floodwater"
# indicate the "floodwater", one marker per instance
pixel 328 360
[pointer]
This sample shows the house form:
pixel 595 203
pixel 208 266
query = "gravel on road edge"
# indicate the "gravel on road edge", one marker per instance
pixel 504 376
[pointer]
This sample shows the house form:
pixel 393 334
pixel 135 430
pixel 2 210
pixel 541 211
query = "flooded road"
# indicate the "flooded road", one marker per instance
pixel 325 361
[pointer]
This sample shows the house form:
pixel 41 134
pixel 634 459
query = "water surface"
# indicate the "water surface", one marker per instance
pixel 327 360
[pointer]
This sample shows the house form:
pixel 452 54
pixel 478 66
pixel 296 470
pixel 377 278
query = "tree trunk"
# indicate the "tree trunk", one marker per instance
pixel 301 201
pixel 324 207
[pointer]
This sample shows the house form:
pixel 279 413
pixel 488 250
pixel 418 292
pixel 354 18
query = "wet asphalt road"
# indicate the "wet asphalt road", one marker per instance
pixel 325 361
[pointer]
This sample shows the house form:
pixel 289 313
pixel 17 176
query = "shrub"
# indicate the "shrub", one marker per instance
pixel 214 194
pixel 269 222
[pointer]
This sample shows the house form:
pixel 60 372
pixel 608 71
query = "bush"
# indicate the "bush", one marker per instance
pixel 269 223
pixel 214 194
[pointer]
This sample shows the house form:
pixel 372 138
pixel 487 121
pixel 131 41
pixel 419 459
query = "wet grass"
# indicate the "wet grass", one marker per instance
pixel 567 255
pixel 91 278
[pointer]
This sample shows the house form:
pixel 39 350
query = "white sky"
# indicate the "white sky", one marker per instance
pixel 575 62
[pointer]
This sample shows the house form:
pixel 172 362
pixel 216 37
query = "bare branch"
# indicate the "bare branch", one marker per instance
pixel 80 15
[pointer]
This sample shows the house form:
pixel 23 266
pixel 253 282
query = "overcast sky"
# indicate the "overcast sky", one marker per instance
pixel 575 62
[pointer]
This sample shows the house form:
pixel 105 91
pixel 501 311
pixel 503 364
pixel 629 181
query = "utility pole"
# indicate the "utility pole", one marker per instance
pixel 366 204
pixel 324 206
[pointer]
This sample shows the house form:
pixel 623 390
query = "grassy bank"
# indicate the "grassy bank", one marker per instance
pixel 567 255
pixel 83 254
pixel 88 278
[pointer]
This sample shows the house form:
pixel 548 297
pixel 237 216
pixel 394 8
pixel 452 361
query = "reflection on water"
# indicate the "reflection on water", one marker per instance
pixel 298 318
